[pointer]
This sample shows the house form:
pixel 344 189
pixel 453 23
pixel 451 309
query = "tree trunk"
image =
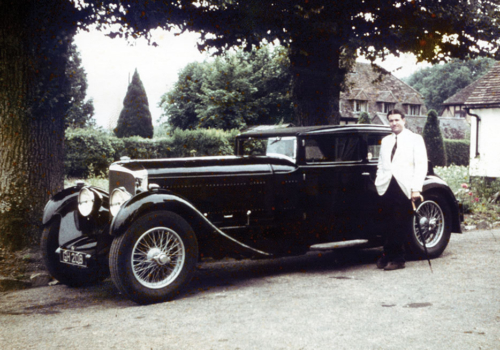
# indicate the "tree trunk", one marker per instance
pixel 33 44
pixel 317 78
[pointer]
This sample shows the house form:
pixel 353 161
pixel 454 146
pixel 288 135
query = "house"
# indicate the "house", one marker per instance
pixel 376 91
pixel 454 120
pixel 483 106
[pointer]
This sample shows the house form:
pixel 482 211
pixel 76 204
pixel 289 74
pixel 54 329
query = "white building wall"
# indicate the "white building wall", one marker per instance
pixel 487 163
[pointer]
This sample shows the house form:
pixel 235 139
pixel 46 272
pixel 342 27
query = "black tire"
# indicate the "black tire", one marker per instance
pixel 72 276
pixel 436 210
pixel 144 265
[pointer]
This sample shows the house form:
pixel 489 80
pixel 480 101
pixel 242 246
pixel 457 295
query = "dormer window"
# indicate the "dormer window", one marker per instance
pixel 386 107
pixel 413 109
pixel 360 106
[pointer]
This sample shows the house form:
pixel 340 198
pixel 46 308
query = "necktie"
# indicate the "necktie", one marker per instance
pixel 394 148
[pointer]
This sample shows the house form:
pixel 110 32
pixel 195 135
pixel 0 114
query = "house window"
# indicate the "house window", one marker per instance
pixel 414 109
pixel 360 106
pixel 387 107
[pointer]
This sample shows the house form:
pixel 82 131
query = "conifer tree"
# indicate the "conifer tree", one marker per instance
pixel 434 140
pixel 135 117
pixel 364 118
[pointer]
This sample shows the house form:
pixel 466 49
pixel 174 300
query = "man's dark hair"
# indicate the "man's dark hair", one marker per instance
pixel 396 111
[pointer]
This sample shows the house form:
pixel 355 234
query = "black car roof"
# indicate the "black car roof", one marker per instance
pixel 306 130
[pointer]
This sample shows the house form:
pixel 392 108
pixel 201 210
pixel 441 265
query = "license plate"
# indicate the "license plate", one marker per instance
pixel 73 258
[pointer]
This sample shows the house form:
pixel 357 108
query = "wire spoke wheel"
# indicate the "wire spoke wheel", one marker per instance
pixel 155 258
pixel 158 257
pixel 432 222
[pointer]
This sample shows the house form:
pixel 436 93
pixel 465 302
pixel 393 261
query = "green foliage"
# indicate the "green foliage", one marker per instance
pixel 80 112
pixel 434 141
pixel 90 152
pixel 231 92
pixel 135 117
pixel 364 118
pixel 442 81
pixel 87 153
pixel 323 34
pixel 203 142
pixel 457 152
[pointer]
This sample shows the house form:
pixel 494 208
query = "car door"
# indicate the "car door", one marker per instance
pixel 335 183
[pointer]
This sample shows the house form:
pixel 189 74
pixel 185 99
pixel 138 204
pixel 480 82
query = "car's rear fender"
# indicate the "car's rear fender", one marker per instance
pixel 205 230
pixel 437 185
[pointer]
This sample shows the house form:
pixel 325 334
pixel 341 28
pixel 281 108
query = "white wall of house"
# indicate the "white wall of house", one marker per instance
pixel 487 162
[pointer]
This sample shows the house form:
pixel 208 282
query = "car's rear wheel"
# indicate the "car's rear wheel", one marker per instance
pixel 69 275
pixel 154 258
pixel 434 214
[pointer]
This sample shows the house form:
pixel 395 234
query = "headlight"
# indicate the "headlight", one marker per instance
pixel 118 197
pixel 86 201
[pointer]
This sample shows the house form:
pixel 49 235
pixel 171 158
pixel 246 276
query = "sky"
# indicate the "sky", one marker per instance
pixel 110 63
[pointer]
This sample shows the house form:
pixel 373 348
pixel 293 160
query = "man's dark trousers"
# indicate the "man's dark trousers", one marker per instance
pixel 398 216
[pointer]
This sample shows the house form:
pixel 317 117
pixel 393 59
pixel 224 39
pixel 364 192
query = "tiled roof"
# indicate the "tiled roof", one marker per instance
pixel 357 94
pixel 386 96
pixel 412 99
pixel 461 96
pixel 487 89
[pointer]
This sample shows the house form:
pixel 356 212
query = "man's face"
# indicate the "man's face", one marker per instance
pixel 397 123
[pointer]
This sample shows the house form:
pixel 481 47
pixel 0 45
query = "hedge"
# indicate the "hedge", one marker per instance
pixel 89 152
pixel 457 151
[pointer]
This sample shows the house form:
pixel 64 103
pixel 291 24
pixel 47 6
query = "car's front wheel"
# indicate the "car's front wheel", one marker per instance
pixel 154 258
pixel 434 216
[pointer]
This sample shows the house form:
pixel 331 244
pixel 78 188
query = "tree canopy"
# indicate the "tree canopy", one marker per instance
pixel 135 117
pixel 325 36
pixel 80 113
pixel 231 91
pixel 441 81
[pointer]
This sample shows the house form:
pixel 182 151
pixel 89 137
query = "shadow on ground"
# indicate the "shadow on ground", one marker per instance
pixel 210 277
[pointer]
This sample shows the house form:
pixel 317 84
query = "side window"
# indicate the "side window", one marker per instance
pixel 347 148
pixel 313 151
pixel 374 142
pixel 333 148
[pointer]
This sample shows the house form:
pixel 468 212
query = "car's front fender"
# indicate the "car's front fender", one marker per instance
pixel 61 204
pixel 67 201
pixel 146 202
pixel 437 185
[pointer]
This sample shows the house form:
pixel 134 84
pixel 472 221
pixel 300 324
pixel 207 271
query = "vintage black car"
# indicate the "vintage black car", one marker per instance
pixel 285 190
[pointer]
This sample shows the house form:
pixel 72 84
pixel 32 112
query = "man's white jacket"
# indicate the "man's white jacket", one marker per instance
pixel 409 165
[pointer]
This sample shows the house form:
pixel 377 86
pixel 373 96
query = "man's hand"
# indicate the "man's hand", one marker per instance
pixel 415 196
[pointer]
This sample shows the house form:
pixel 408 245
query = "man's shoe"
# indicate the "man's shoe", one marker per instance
pixel 382 262
pixel 394 265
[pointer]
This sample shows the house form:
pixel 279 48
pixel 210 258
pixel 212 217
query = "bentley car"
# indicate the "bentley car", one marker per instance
pixel 284 190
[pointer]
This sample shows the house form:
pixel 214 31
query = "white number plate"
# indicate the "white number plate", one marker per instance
pixel 73 258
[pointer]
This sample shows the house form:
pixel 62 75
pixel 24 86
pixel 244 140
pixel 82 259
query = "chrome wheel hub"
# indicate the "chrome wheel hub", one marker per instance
pixel 158 256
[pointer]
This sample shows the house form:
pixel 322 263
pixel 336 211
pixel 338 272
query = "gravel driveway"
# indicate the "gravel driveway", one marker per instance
pixel 333 299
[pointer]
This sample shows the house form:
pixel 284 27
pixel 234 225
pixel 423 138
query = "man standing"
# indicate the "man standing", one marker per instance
pixel 402 167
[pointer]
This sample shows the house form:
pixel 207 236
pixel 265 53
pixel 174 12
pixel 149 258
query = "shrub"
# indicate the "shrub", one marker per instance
pixel 203 142
pixel 87 152
pixel 135 117
pixel 364 118
pixel 457 152
pixel 434 140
